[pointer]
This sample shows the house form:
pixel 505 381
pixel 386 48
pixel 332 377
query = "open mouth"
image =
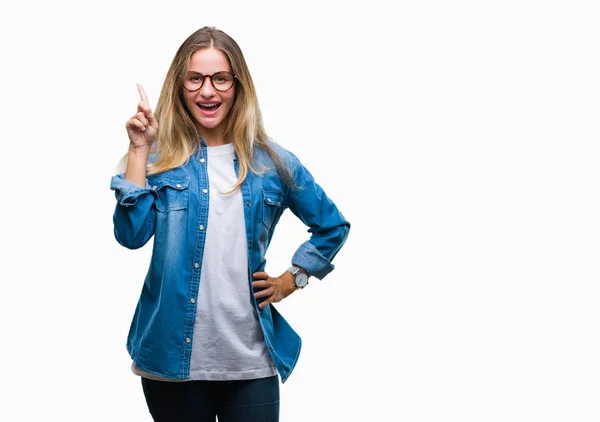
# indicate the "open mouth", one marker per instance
pixel 209 107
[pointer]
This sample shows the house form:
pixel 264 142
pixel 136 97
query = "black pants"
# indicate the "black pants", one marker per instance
pixel 201 401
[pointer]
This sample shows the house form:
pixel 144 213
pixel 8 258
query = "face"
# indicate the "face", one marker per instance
pixel 209 107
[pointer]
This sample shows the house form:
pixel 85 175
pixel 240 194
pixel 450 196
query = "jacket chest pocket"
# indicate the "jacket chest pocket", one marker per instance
pixel 171 194
pixel 271 206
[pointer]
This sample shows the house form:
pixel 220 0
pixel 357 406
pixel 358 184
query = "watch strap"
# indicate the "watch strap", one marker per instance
pixel 293 269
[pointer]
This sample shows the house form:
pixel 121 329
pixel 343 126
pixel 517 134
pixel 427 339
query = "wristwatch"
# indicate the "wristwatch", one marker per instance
pixel 300 276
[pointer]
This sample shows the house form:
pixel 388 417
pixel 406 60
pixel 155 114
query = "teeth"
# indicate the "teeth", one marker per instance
pixel 209 105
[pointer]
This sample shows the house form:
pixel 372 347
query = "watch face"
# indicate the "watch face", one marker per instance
pixel 301 279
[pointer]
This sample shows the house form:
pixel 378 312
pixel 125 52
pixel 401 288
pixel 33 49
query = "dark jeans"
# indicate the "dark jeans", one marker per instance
pixel 200 401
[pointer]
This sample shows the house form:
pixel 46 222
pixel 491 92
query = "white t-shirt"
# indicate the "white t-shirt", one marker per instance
pixel 228 343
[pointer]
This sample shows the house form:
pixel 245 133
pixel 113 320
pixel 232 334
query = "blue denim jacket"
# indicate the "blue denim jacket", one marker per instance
pixel 174 208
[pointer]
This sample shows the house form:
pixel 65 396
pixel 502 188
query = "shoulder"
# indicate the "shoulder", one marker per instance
pixel 288 158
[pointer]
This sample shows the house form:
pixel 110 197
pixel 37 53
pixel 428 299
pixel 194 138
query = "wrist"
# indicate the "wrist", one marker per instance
pixel 299 276
pixel 138 153
pixel 136 167
pixel 288 280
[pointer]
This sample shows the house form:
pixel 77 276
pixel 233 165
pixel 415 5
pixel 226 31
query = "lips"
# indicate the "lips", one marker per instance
pixel 209 109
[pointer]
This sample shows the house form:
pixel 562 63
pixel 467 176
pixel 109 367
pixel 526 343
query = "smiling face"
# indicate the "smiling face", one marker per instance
pixel 209 108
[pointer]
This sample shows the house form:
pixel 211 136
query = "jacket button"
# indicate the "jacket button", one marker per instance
pixel 187 340
pixel 202 160
pixel 248 204
pixel 204 190
pixel 196 265
pixel 201 227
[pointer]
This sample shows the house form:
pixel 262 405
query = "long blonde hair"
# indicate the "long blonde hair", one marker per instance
pixel 178 137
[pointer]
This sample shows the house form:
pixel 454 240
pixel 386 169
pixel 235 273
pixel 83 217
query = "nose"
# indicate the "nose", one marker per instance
pixel 207 89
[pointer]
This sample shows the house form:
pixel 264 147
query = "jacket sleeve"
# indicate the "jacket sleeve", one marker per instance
pixel 328 227
pixel 134 216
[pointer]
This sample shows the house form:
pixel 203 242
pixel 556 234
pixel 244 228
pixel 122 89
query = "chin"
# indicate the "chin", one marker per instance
pixel 209 125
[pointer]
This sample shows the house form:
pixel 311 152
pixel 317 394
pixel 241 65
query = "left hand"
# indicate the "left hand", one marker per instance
pixel 274 289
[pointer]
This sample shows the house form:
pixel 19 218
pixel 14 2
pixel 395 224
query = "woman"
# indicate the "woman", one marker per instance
pixel 203 179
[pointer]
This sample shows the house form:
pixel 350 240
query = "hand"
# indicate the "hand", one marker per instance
pixel 273 289
pixel 142 127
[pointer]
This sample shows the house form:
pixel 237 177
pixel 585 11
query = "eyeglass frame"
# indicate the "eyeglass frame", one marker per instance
pixel 211 81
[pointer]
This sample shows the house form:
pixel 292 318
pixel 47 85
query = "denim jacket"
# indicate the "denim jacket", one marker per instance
pixel 173 207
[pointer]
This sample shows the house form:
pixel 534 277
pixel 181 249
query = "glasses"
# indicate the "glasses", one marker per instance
pixel 221 81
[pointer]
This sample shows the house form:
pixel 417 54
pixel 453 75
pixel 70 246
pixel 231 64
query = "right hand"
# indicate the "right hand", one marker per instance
pixel 142 127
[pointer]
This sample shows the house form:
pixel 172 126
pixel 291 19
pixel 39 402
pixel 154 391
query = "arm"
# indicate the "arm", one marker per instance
pixel 136 166
pixel 134 216
pixel 329 231
pixel 328 227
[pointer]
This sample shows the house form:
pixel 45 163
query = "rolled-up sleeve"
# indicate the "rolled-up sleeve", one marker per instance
pixel 328 227
pixel 134 216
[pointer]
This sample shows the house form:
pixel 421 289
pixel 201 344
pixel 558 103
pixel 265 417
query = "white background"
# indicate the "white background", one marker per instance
pixel 459 138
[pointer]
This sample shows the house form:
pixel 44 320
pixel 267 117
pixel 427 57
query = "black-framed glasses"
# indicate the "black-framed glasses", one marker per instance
pixel 221 81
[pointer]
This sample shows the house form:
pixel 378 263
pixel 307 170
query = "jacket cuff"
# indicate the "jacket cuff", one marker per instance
pixel 313 262
pixel 127 192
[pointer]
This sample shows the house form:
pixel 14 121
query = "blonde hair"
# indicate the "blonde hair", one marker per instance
pixel 178 137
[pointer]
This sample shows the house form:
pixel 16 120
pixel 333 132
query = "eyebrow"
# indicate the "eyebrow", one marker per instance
pixel 218 71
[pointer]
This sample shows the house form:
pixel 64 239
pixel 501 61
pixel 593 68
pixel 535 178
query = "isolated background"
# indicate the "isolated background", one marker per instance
pixel 459 138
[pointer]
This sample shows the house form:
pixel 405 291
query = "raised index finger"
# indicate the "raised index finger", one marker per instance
pixel 143 95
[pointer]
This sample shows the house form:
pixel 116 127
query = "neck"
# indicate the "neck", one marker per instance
pixel 212 137
pixel 214 142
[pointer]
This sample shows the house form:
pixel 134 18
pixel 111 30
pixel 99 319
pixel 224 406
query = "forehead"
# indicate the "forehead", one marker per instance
pixel 208 61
